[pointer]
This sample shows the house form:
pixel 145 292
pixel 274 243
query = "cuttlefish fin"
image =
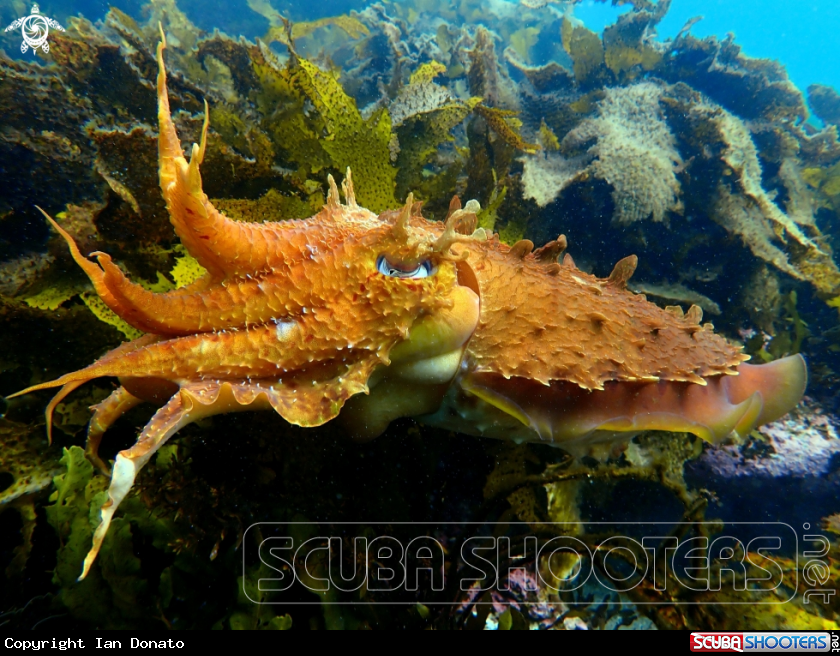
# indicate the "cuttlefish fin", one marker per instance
pixel 781 384
pixel 499 400
pixel 725 405
pixel 721 421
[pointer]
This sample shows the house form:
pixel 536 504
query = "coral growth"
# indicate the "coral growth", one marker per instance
pixel 634 152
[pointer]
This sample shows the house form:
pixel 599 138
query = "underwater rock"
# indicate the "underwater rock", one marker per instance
pixel 804 444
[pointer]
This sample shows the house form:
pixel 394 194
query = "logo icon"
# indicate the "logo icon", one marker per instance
pixel 35 29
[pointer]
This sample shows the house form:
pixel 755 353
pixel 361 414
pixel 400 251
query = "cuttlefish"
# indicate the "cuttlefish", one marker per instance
pixel 368 318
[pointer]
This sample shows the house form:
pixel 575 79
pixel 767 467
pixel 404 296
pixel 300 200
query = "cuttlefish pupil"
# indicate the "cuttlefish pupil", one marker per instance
pixel 395 269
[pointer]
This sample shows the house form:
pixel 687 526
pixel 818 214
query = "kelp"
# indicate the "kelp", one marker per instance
pixel 27 460
pixel 628 49
pixel 825 102
pixel 274 205
pixel 826 182
pixel 102 312
pixel 424 116
pixel 635 152
pixel 350 140
pixel 788 339
pixel 587 52
pixel 671 292
pixel 118 592
pixel 505 124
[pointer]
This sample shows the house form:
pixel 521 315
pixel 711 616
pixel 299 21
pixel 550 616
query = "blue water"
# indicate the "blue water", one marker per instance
pixel 802 35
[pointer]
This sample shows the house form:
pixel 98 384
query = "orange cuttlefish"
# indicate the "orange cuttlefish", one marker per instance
pixel 370 318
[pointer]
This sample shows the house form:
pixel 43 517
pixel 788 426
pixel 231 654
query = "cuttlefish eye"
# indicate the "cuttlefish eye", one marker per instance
pixel 388 267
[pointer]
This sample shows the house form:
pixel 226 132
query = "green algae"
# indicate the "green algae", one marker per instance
pixel 352 141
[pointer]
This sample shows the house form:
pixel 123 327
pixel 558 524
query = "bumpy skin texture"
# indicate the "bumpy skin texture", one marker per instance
pixel 378 317
pixel 561 356
pixel 574 327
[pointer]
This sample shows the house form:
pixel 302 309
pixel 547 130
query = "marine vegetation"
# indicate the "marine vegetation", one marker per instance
pixel 393 310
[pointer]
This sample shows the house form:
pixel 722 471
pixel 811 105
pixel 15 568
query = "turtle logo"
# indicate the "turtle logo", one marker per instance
pixel 35 28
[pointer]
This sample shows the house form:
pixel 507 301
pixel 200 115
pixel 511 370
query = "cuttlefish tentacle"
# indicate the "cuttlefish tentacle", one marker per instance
pixel 310 406
pixel 105 414
pixel 306 405
pixel 70 386
pixel 65 391
pixel 166 422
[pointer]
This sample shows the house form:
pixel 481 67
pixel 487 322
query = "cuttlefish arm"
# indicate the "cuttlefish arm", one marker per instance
pixel 296 316
pixel 298 398
pixel 197 401
pixel 239 255
pixel 224 247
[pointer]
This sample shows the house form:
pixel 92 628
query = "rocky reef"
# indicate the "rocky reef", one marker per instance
pixel 709 165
